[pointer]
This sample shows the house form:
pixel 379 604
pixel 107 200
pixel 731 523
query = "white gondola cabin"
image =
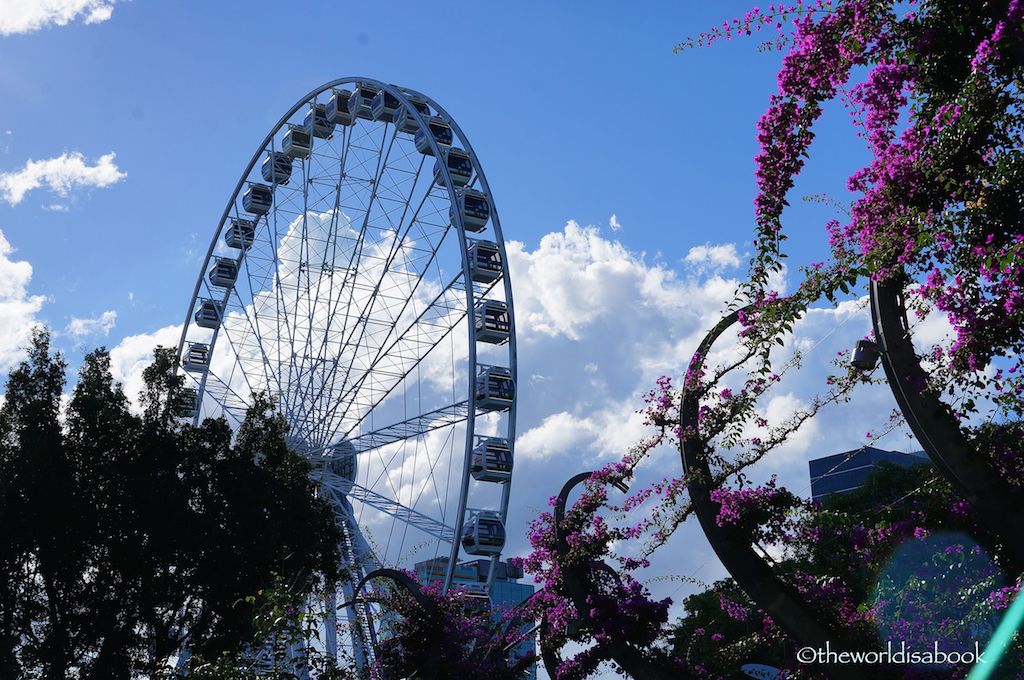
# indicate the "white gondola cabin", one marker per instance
pixel 439 130
pixel 460 167
pixel 484 261
pixel 337 108
pixel 277 168
pixel 209 313
pixel 361 100
pixel 384 106
pixel 186 405
pixel 492 460
pixel 492 322
pixel 484 534
pixel 257 199
pixel 495 389
pixel 474 207
pixel 316 123
pixel 224 272
pixel 240 234
pixel 196 357
pixel 404 120
pixel 297 142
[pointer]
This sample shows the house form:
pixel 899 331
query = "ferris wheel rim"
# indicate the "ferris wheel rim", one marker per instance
pixel 472 366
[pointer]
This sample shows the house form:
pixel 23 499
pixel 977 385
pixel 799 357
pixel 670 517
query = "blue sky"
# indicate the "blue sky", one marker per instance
pixel 577 111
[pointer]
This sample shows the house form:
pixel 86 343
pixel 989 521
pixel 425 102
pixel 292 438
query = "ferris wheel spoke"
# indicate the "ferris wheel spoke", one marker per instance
pixel 269 375
pixel 321 357
pixel 391 507
pixel 405 297
pixel 358 241
pixel 318 397
pixel 411 427
pixel 315 389
pixel 311 363
pixel 305 413
pixel 298 368
pixel 241 344
pixel 295 371
pixel 362 321
pixel 280 317
pixel 432 463
pixel 227 398
pixel 366 319
pixel 396 361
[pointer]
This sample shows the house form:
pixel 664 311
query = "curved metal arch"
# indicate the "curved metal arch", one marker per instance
pixel 576 579
pixel 936 427
pixel 750 571
pixel 549 656
pixel 403 581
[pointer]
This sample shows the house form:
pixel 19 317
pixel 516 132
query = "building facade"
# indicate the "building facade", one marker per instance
pixel 844 472
pixel 506 592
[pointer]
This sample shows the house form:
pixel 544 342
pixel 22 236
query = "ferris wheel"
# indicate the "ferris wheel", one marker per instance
pixel 358 277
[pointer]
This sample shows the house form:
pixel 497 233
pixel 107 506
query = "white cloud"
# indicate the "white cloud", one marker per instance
pixel 713 257
pixel 56 207
pixel 575 279
pixel 18 309
pixel 596 437
pixel 134 353
pixel 613 222
pixel 26 16
pixel 80 328
pixel 779 408
pixel 61 174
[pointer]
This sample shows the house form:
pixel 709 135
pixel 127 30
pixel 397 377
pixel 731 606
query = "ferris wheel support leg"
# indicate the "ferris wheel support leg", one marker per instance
pixel 363 558
pixel 356 628
pixel 181 666
pixel 298 656
pixel 331 625
pixel 356 556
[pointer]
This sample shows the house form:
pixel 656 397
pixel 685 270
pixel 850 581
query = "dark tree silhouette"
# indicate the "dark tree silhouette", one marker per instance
pixel 127 536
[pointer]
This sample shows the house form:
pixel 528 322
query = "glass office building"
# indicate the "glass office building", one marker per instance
pixel 506 592
pixel 844 472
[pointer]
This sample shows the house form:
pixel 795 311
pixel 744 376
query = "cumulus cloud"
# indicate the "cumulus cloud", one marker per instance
pixel 134 353
pixel 576 278
pixel 708 256
pixel 606 433
pixel 61 174
pixel 613 222
pixel 27 16
pixel 18 309
pixel 80 328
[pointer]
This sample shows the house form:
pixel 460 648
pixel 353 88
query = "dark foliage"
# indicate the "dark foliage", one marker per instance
pixel 127 536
